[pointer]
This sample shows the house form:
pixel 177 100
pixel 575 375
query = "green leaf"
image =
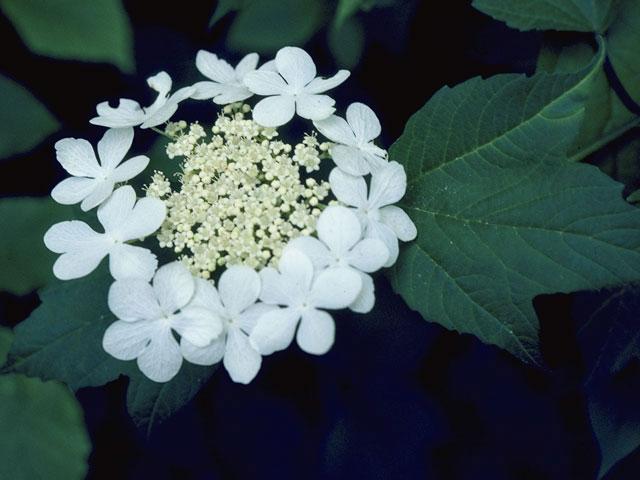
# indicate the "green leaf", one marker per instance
pixel 97 31
pixel 62 339
pixel 623 39
pixel 347 43
pixel 43 431
pixel 26 264
pixel 609 333
pixel 634 197
pixel 345 10
pixel 264 26
pixel 223 8
pixel 569 15
pixel 606 117
pixel 615 418
pixel 6 337
pixel 501 215
pixel 25 121
pixel 149 403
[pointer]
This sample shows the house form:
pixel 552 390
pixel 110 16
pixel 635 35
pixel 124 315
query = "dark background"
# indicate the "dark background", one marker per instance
pixel 396 397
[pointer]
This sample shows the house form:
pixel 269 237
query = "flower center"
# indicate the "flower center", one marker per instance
pixel 240 197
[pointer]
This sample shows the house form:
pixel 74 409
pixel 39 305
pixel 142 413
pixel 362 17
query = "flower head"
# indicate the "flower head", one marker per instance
pixel 354 152
pixel 303 296
pixel 123 220
pixel 340 244
pixel 379 217
pixel 293 88
pixel 93 182
pixel 226 83
pixel 129 113
pixel 149 314
pixel 234 305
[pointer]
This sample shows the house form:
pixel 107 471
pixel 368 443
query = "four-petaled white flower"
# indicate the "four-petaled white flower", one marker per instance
pixel 340 244
pixel 293 88
pixel 354 152
pixel 379 217
pixel 93 182
pixel 123 220
pixel 234 305
pixel 303 295
pixel 148 316
pixel 227 83
pixel 129 113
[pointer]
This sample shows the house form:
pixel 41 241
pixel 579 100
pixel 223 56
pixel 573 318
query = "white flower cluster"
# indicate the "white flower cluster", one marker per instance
pixel 243 204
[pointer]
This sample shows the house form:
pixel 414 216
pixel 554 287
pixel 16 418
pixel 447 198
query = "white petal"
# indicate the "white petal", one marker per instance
pixel 167 108
pixel 214 68
pixel 274 330
pixel 274 288
pixel 317 332
pixel 348 189
pixel 129 261
pixel 129 169
pixel 250 316
pixel 73 190
pixel 363 121
pixel 77 157
pixel 115 211
pixel 366 299
pixel 127 340
pixel 161 83
pixel 266 82
pixel 296 66
pixel 397 219
pixel 174 286
pixel 368 255
pixel 382 232
pixel 274 111
pixel 319 85
pixel 314 249
pixel 231 94
pixel 78 263
pixel 246 65
pixel 206 296
pixel 339 228
pixel 128 113
pixel 101 191
pixel 145 218
pixel 314 107
pixel 350 160
pixel 336 129
pixel 133 300
pixel 297 271
pixel 113 146
pixel 269 66
pixel 208 355
pixel 335 288
pixel 388 185
pixel 241 360
pixel 161 360
pixel 199 326
pixel 72 235
pixel 206 90
pixel 239 287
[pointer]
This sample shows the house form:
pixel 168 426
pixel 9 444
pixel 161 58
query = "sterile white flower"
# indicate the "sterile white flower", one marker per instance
pixel 234 305
pixel 379 217
pixel 355 152
pixel 227 83
pixel 304 297
pixel 340 244
pixel 148 315
pixel 93 182
pixel 129 113
pixel 293 88
pixel 123 220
